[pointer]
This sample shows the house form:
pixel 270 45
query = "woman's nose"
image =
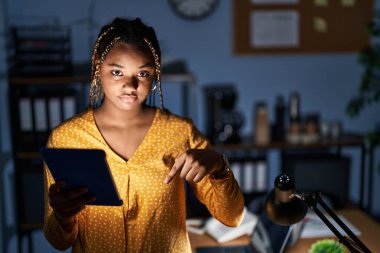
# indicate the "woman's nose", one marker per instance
pixel 130 82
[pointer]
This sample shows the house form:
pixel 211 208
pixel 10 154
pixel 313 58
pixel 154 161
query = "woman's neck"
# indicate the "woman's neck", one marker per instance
pixel 121 117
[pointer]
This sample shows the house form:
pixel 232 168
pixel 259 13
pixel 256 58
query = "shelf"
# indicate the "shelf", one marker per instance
pixel 247 143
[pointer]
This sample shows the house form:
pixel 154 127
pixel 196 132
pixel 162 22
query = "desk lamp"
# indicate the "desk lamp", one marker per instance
pixel 285 206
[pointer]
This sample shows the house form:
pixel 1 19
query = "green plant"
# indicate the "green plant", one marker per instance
pixel 326 246
pixel 369 89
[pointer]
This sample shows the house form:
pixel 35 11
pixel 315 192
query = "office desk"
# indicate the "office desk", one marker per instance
pixel 369 228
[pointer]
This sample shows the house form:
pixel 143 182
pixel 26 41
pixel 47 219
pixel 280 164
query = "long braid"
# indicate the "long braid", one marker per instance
pixel 95 50
pixel 96 89
pixel 158 70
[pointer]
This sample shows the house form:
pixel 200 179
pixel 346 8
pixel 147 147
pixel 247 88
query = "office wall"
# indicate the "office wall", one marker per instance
pixel 325 82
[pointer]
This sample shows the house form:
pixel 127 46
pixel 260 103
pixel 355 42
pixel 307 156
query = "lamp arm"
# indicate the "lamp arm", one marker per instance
pixel 312 200
pixel 342 238
pixel 359 243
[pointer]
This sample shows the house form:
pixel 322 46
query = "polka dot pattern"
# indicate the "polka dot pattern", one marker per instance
pixel 152 218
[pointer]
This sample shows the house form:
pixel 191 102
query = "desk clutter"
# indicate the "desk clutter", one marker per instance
pixel 291 131
pixel 264 234
pixel 358 221
pixel 279 225
pixel 313 226
pixel 290 124
pixel 220 232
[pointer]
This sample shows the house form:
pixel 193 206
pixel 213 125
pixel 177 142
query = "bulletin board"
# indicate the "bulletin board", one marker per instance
pixel 301 26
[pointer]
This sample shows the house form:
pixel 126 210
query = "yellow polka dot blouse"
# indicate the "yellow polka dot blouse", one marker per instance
pixel 152 218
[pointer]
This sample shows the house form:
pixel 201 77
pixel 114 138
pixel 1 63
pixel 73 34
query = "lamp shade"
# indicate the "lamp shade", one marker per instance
pixel 281 206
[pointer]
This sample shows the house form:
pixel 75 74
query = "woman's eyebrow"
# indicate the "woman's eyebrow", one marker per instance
pixel 121 67
pixel 148 64
pixel 115 65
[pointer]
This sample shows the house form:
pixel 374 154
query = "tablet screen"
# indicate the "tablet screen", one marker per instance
pixel 83 168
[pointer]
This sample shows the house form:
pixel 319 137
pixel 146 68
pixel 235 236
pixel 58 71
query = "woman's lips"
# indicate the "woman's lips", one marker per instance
pixel 128 97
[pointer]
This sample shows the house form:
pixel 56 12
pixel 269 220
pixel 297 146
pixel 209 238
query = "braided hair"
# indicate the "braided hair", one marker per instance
pixel 130 31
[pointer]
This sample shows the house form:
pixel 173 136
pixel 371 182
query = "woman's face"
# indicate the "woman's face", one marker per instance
pixel 126 75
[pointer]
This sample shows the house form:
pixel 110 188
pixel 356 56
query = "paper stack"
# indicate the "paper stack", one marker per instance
pixel 221 232
pixel 313 226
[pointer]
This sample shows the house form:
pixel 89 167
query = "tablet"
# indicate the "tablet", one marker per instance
pixel 83 168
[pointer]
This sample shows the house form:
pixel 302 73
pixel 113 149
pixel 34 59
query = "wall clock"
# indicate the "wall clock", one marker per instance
pixel 193 9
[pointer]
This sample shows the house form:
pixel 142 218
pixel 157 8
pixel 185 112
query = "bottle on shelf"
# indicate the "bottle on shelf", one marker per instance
pixel 261 123
pixel 278 128
pixel 294 106
pixel 294 128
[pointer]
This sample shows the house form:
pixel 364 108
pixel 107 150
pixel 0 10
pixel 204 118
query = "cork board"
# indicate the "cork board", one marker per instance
pixel 301 26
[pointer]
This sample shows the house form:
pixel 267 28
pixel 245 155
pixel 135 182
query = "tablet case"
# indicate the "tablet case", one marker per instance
pixel 83 168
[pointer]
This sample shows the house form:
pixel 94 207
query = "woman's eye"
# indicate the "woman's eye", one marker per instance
pixel 116 73
pixel 144 74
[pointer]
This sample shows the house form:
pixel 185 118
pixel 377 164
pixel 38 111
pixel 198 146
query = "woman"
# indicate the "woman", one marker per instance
pixel 149 152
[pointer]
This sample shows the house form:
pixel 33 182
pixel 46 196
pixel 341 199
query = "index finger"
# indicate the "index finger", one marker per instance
pixel 175 169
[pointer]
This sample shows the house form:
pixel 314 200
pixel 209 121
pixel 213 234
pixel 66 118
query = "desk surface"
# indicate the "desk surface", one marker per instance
pixel 370 234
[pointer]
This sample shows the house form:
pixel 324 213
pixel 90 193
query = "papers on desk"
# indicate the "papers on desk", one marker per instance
pixel 196 226
pixel 221 232
pixel 313 226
